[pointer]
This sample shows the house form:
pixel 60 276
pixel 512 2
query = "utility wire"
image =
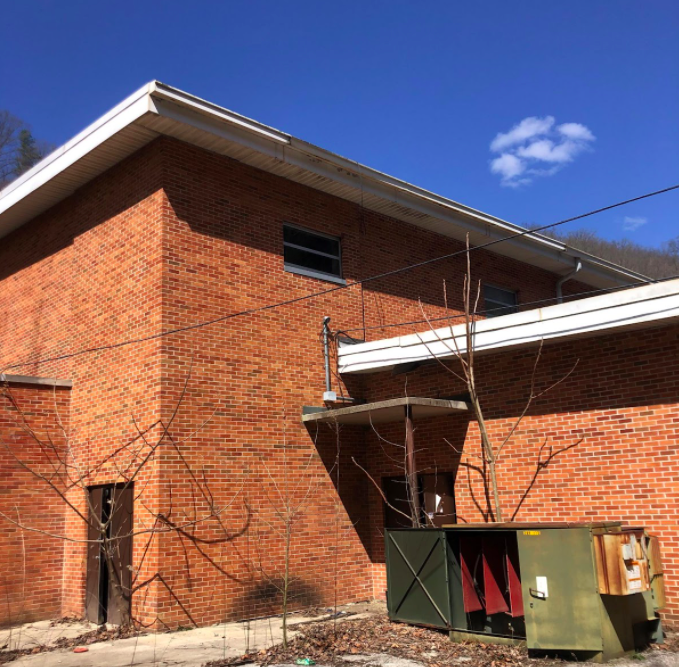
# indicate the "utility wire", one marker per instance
pixel 312 295
pixel 519 307
pixel 505 328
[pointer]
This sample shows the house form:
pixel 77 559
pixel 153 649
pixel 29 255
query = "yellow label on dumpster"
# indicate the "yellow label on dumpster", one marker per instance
pixel 531 532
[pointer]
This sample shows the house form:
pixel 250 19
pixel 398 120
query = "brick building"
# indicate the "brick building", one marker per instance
pixel 603 443
pixel 137 267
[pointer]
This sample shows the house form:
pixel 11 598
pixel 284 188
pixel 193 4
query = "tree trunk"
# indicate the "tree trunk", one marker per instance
pixel 487 448
pixel 121 600
pixel 286 581
pixel 411 470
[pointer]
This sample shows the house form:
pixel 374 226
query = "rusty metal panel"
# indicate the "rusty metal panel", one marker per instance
pixel 656 572
pixel 111 505
pixel 622 563
pixel 121 536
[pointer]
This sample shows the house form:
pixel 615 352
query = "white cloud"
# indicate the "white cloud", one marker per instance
pixel 631 224
pixel 548 151
pixel 575 131
pixel 535 147
pixel 507 165
pixel 527 128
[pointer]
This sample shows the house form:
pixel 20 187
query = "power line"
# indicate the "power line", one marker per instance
pixel 520 307
pixel 525 232
pixel 313 295
pixel 507 327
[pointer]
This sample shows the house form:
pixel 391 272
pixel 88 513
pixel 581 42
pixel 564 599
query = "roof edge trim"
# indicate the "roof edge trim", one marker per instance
pixel 634 308
pixel 154 97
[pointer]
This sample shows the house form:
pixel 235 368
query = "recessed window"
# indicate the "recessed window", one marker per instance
pixel 499 301
pixel 312 254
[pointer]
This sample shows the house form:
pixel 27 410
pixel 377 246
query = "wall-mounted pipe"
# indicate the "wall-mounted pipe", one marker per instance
pixel 329 396
pixel 568 276
pixel 326 353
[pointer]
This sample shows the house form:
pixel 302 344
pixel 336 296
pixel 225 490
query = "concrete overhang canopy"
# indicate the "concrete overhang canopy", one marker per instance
pixel 624 310
pixel 384 412
pixel 35 381
pixel 158 110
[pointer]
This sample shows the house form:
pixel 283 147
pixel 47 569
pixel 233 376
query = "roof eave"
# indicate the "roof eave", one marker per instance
pixel 155 107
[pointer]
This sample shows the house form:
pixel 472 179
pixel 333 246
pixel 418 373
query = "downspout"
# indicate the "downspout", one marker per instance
pixel 568 276
pixel 329 395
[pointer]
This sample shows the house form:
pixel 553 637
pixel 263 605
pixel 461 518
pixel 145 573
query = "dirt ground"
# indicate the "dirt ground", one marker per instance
pixel 78 644
pixel 377 641
pixel 358 635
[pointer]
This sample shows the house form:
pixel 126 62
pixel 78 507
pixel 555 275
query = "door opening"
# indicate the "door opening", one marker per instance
pixel 436 495
pixel 109 579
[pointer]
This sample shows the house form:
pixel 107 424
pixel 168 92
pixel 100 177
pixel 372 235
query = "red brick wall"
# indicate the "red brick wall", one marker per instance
pixel 84 274
pixel 251 375
pixel 174 236
pixel 618 412
pixel 30 559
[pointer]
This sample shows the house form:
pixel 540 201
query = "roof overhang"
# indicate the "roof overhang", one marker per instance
pixel 384 412
pixel 7 379
pixel 624 310
pixel 160 110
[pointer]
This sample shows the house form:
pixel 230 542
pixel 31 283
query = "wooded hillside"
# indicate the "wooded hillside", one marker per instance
pixel 652 262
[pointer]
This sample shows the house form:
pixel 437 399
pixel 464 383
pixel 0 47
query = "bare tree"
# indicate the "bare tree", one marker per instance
pixel 287 506
pixel 10 126
pixel 68 473
pixel 19 149
pixel 491 451
pixel 661 262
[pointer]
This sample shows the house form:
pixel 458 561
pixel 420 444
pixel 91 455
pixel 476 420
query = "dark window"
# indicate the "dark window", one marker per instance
pixel 312 254
pixel 499 301
pixel 437 500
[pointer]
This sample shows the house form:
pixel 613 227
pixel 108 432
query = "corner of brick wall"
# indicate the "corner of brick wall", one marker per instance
pixel 30 560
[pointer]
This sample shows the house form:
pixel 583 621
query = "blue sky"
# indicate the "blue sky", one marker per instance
pixel 417 89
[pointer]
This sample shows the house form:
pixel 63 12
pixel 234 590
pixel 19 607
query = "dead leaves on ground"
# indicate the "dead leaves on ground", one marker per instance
pixel 327 642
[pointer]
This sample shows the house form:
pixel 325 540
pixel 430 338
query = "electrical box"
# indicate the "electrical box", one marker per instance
pixel 592 590
pixel 623 562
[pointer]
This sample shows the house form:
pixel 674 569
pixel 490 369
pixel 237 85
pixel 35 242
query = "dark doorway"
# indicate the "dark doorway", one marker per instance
pixel 437 500
pixel 111 506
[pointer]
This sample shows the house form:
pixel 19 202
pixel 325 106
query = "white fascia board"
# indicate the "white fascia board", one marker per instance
pixel 215 111
pixel 627 309
pixel 104 128
pixel 202 114
pixel 262 142
pixel 163 100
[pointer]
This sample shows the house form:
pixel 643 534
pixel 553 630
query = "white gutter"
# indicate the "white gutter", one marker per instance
pixel 122 115
pixel 634 308
pixel 313 159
